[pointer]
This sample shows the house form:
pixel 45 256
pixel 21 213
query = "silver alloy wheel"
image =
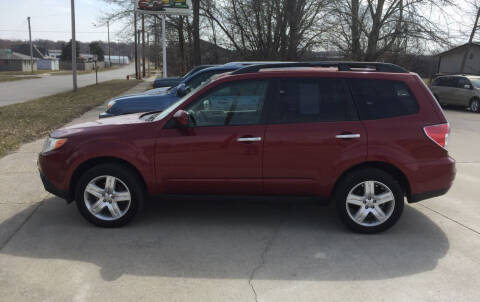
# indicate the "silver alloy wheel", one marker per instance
pixel 107 197
pixel 475 105
pixel 370 203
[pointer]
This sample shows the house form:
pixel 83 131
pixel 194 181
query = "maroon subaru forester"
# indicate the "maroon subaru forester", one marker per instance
pixel 364 135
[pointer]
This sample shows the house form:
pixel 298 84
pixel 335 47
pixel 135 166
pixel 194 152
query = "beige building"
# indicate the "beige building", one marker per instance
pixel 450 61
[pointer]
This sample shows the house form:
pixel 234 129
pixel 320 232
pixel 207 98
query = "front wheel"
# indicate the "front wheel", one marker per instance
pixel 475 105
pixel 109 195
pixel 369 200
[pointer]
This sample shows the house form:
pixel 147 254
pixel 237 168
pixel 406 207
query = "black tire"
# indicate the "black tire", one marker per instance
pixel 475 105
pixel 129 178
pixel 354 178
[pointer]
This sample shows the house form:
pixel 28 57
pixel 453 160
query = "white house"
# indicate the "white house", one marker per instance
pixel 450 61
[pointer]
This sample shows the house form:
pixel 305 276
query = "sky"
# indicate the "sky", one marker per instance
pixel 50 19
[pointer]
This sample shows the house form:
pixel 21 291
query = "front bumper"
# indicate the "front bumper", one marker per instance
pixel 49 187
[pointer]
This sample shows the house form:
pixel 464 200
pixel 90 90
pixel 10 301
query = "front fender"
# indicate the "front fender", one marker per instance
pixel 138 155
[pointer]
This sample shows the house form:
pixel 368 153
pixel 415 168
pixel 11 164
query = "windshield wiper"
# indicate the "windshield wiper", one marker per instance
pixel 153 113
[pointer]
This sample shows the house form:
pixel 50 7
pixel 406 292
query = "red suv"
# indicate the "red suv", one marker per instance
pixel 365 135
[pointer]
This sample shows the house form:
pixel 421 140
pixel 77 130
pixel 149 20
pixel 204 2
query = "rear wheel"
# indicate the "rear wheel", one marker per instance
pixel 475 105
pixel 109 195
pixel 369 200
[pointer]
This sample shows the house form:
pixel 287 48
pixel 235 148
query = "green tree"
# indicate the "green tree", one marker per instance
pixel 67 51
pixel 96 49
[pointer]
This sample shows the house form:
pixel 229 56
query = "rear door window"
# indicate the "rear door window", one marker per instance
pixel 309 100
pixel 462 82
pixel 451 82
pixel 377 99
pixel 439 82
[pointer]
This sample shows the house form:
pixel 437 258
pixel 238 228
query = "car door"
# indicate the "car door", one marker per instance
pixel 450 90
pixel 313 135
pixel 462 94
pixel 221 151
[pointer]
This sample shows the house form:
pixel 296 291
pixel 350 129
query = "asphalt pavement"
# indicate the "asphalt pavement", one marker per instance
pixel 25 90
pixel 240 251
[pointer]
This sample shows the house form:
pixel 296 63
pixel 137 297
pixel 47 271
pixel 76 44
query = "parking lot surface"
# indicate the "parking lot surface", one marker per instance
pixel 206 250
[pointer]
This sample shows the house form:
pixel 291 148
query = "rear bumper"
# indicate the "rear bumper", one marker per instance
pixel 427 195
pixel 430 179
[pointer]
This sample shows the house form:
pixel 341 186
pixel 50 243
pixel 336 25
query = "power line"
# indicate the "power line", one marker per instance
pixel 53 31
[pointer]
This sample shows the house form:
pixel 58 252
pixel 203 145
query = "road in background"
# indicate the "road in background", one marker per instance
pixel 25 90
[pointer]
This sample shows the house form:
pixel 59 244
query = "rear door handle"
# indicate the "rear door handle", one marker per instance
pixel 347 136
pixel 249 139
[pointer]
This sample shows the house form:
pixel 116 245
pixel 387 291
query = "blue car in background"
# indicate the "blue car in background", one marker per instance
pixel 158 100
pixel 171 82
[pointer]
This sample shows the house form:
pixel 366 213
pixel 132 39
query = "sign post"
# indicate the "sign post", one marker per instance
pixel 164 8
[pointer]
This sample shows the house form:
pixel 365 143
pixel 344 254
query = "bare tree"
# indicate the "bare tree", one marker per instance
pixel 368 29
pixel 270 29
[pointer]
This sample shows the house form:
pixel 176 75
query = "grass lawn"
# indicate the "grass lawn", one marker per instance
pixel 24 122
pixel 26 73
pixel 8 76
pixel 64 72
pixel 5 78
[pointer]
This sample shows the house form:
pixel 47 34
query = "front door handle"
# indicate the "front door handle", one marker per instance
pixel 249 139
pixel 348 136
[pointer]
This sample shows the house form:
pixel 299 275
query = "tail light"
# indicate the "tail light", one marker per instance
pixel 438 133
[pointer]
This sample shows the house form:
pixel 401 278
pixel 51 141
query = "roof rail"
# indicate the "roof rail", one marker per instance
pixel 342 66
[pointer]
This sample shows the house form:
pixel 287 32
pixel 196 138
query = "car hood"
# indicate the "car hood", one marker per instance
pixel 157 91
pixel 105 123
pixel 168 79
pixel 145 96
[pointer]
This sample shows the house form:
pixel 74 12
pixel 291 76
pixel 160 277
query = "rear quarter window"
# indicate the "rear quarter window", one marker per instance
pixel 377 99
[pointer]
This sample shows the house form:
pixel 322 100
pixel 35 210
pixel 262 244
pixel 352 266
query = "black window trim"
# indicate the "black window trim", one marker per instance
pixel 353 112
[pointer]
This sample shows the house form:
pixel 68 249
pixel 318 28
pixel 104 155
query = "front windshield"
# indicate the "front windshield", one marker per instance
pixel 475 83
pixel 175 105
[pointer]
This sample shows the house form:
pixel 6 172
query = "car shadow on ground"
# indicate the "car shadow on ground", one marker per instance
pixel 232 240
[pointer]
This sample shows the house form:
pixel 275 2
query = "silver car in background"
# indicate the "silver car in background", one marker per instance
pixel 459 90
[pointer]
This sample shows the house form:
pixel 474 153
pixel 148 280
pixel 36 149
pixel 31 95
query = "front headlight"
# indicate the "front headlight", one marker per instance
pixel 53 144
pixel 110 104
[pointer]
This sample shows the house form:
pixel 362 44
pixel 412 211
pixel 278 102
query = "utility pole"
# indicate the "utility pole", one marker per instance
pixel 136 43
pixel 139 38
pixel 148 52
pixel 164 48
pixel 31 45
pixel 143 45
pixel 155 47
pixel 108 36
pixel 74 47
pixel 467 50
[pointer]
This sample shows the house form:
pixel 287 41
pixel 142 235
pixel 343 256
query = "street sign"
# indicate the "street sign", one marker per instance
pixel 164 7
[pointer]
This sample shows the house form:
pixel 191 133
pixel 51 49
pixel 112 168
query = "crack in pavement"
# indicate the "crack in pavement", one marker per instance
pixel 262 261
pixel 451 219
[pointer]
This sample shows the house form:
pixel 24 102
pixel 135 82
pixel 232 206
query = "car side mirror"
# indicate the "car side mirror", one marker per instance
pixel 181 90
pixel 467 86
pixel 181 118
